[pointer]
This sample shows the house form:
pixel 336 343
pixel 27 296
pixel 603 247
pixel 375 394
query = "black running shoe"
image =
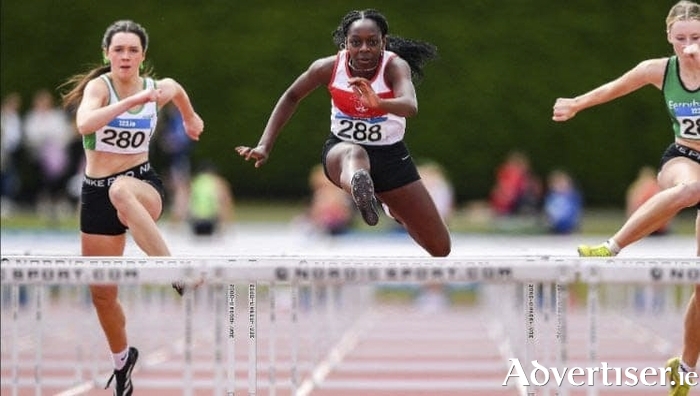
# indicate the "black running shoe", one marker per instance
pixel 122 385
pixel 179 287
pixel 363 195
pixel 182 286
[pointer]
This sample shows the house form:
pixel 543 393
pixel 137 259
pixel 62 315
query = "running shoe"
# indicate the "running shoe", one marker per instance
pixel 594 251
pixel 676 386
pixel 179 287
pixel 363 195
pixel 122 385
pixel 182 286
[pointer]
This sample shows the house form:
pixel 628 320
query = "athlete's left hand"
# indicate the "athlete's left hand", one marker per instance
pixel 363 89
pixel 194 126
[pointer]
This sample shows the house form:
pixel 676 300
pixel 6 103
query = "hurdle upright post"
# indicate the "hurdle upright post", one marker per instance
pixel 593 307
pixel 530 326
pixel 562 302
pixel 218 337
pixel 189 308
pixel 231 341
pixel 272 340
pixel 39 295
pixel 252 339
pixel 14 301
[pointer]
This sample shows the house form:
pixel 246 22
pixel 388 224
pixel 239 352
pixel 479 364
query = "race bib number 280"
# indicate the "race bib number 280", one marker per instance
pixel 126 134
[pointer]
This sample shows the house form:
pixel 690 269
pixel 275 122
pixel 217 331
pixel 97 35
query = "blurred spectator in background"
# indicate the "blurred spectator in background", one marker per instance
pixel 210 201
pixel 517 190
pixel 48 132
pixel 76 163
pixel 176 146
pixel 641 189
pixel 562 204
pixel 11 131
pixel 76 169
pixel 439 187
pixel 331 210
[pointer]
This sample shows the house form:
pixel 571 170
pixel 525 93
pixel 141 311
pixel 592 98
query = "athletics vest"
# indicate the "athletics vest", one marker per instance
pixel 353 122
pixel 683 105
pixel 128 133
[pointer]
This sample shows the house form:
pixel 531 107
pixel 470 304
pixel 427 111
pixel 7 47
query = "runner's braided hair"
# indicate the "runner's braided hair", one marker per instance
pixel 415 53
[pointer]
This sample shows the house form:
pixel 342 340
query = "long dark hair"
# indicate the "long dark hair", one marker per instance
pixel 416 53
pixel 76 84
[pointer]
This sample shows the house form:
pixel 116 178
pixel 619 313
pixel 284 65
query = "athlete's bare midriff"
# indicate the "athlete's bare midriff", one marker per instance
pixel 693 144
pixel 102 164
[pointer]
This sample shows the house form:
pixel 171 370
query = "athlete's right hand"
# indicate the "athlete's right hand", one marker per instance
pixel 259 154
pixel 147 95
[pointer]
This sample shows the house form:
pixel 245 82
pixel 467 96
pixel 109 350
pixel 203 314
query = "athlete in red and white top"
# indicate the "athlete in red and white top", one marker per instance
pixel 351 120
pixel 371 85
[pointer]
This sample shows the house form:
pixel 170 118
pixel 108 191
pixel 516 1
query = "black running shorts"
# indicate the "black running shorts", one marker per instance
pixel 676 150
pixel 97 214
pixel 391 166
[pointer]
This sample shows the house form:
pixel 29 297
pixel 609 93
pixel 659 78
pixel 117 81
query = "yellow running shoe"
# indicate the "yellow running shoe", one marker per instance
pixel 594 251
pixel 676 386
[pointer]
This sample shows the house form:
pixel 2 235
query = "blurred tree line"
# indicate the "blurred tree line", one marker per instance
pixel 502 64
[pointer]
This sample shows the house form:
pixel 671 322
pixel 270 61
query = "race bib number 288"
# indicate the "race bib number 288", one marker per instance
pixel 359 131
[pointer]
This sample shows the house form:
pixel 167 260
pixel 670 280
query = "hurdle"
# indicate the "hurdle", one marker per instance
pixel 534 291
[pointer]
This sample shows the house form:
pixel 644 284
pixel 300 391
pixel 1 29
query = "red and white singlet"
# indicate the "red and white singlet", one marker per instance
pixel 353 122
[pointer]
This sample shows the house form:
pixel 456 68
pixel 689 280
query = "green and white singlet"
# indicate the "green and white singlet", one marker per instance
pixel 128 133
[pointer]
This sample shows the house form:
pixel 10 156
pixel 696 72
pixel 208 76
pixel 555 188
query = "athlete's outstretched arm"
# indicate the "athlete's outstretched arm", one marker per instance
pixel 647 72
pixel 317 74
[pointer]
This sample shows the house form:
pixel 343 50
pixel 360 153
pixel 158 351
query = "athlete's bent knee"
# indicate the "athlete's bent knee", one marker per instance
pixel 119 193
pixel 689 194
pixel 441 249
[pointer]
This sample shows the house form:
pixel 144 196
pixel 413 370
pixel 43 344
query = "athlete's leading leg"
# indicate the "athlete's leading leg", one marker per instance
pixel 348 166
pixel 412 206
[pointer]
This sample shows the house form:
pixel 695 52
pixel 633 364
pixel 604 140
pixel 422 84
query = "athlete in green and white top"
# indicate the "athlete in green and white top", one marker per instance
pixel 129 132
pixel 678 77
pixel 115 110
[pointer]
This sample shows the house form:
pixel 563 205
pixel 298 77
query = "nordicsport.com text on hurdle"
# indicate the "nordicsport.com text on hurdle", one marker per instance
pixel 605 374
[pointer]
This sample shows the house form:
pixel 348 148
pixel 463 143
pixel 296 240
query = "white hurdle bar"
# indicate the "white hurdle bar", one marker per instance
pixel 223 270
pixel 298 270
